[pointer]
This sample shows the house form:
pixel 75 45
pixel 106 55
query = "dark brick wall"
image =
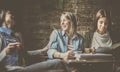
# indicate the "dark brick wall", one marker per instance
pixel 37 18
pixel 85 11
pixel 38 21
pixel 41 21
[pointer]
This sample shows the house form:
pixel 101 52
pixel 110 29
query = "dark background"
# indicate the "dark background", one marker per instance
pixel 35 19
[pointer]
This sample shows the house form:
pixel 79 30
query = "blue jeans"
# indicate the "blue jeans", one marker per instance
pixel 55 64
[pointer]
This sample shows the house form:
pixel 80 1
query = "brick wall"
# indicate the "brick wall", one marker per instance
pixel 85 11
pixel 39 17
pixel 38 21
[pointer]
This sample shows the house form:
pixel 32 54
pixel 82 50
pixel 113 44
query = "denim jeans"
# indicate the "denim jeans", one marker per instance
pixel 55 64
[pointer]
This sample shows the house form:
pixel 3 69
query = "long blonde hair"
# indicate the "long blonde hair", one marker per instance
pixel 73 21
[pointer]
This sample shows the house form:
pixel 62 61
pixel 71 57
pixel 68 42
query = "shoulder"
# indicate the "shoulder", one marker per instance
pixel 57 31
pixel 1 29
pixel 95 34
pixel 79 36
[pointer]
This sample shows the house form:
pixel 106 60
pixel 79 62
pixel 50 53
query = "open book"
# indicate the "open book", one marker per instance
pixel 107 49
pixel 116 45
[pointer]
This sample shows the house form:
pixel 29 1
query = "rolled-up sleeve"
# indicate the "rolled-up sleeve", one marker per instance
pixel 51 53
pixel 53 43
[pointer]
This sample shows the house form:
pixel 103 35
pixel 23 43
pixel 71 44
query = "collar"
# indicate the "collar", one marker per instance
pixel 74 36
pixel 6 30
pixel 63 33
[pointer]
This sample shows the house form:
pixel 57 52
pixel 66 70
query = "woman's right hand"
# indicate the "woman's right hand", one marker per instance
pixel 12 46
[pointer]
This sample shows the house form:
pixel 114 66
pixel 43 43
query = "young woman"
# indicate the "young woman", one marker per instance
pixel 101 37
pixel 64 42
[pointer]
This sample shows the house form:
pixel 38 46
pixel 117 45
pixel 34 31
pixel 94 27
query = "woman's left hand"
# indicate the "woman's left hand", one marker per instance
pixel 70 54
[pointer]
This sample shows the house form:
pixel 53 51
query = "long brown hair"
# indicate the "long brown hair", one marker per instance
pixel 3 14
pixel 102 13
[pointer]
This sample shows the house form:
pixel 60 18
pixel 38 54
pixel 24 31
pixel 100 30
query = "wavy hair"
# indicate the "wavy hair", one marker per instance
pixel 73 21
pixel 3 14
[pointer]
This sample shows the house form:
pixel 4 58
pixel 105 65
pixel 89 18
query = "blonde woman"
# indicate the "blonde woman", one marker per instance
pixel 64 42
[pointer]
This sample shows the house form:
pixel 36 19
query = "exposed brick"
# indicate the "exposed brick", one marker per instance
pixel 42 19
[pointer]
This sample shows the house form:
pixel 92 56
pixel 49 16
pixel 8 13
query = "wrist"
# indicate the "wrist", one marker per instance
pixel 7 51
pixel 63 55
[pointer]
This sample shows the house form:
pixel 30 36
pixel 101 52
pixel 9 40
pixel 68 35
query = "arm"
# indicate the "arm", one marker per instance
pixel 82 44
pixel 53 47
pixel 2 55
pixel 7 50
pixel 88 39
pixel 42 51
pixel 2 52
pixel 93 43
pixel 52 44
pixel 53 51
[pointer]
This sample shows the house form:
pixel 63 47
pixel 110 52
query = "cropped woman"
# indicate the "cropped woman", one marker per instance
pixel 11 50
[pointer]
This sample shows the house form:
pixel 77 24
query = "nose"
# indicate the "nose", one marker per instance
pixel 103 24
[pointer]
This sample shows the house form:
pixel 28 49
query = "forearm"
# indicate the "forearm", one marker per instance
pixel 2 55
pixel 59 55
pixel 52 53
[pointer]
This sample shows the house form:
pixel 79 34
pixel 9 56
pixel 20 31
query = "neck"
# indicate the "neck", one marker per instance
pixel 103 32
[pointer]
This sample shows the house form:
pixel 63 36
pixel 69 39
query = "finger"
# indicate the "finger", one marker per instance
pixel 14 44
pixel 71 51
pixel 9 47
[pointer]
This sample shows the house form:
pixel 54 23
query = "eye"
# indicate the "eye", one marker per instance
pixel 100 22
pixel 106 23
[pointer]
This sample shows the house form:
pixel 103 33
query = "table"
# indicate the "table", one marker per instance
pixel 98 62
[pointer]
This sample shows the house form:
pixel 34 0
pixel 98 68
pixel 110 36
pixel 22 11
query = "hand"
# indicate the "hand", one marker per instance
pixel 92 50
pixel 69 54
pixel 12 46
pixel 89 50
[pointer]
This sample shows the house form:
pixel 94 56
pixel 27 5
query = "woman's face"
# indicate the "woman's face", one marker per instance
pixel 65 23
pixel 102 24
pixel 9 20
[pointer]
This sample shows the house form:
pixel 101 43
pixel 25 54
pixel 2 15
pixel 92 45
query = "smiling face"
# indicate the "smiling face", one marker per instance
pixel 65 23
pixel 102 25
pixel 9 19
